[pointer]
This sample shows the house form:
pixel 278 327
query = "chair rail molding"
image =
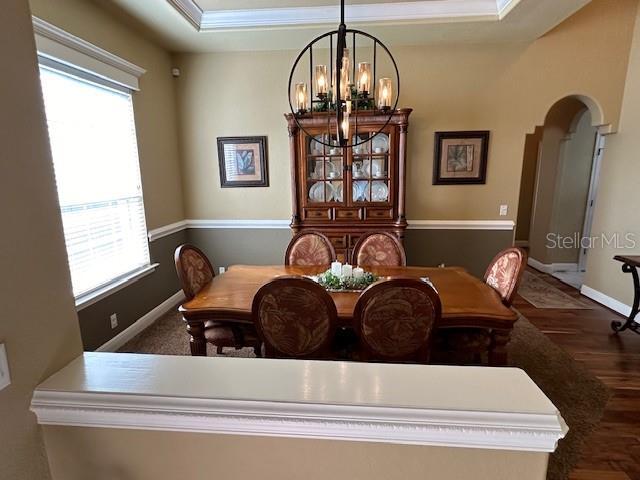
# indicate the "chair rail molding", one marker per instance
pixel 172 228
pixel 461 224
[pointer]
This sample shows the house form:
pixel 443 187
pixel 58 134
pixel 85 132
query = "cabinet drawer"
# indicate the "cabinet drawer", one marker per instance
pixel 338 241
pixel 379 213
pixel 348 214
pixel 317 213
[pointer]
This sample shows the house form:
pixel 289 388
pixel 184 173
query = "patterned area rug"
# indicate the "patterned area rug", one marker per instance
pixel 578 395
pixel 541 294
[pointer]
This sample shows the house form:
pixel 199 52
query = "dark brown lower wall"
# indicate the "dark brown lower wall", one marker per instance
pixel 471 249
pixel 135 300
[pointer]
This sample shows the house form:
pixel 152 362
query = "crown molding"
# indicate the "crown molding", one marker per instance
pixel 190 10
pixel 56 34
pixel 399 12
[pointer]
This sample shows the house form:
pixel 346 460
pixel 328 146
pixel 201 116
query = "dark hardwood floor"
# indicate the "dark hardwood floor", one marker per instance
pixel 612 451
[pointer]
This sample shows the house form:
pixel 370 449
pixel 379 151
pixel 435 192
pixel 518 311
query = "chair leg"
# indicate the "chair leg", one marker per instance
pixel 219 350
pixel 257 349
pixel 498 350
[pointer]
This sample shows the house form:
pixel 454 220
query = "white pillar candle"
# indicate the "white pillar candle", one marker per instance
pixel 358 272
pixel 336 269
pixel 347 270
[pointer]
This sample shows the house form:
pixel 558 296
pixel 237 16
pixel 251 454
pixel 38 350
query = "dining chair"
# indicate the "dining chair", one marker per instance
pixel 309 248
pixel 295 318
pixel 194 272
pixel 379 249
pixel 396 319
pixel 505 273
pixel 469 345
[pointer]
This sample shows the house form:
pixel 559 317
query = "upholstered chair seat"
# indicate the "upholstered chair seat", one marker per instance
pixel 378 249
pixel 309 248
pixel 295 318
pixel 194 272
pixel 396 319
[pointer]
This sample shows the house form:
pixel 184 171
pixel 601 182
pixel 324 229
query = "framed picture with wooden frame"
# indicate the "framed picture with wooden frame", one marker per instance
pixel 460 158
pixel 243 162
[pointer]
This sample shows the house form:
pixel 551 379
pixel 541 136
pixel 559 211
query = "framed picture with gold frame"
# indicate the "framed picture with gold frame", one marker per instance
pixel 460 158
pixel 243 162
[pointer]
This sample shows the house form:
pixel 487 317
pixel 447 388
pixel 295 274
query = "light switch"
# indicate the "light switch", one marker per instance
pixel 5 378
pixel 504 209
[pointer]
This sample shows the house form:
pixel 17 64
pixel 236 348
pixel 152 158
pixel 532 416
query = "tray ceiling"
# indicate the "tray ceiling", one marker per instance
pixel 218 25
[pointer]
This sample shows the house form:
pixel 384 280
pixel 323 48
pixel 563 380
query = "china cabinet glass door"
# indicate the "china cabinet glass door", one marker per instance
pixel 324 170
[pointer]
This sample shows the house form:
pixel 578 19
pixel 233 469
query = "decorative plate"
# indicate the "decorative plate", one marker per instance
pixel 316 192
pixel 381 140
pixel 360 191
pixel 379 191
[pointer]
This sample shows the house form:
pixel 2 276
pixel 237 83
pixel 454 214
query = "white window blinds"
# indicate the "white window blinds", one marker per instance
pixel 95 156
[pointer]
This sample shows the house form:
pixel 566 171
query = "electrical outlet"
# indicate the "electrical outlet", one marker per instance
pixel 114 320
pixel 504 209
pixel 5 378
pixel 222 270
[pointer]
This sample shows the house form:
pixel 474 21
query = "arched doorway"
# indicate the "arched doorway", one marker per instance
pixel 558 189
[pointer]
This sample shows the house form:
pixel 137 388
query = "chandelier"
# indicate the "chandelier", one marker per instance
pixel 348 87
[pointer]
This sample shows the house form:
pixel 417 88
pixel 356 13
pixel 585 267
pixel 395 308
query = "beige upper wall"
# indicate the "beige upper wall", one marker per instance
pixel 154 105
pixel 505 88
pixel 617 204
pixel 38 323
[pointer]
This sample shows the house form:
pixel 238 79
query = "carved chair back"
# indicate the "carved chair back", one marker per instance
pixel 396 319
pixel 309 248
pixel 379 249
pixel 295 318
pixel 505 273
pixel 193 268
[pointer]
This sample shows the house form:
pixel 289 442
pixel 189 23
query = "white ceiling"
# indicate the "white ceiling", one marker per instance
pixel 218 25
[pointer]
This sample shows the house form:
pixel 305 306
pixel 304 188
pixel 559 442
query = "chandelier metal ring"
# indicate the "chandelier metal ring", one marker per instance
pixel 389 112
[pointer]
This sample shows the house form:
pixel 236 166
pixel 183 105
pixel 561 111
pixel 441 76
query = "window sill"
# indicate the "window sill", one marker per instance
pixel 88 299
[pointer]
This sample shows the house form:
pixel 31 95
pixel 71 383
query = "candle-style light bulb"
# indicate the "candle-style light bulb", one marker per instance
pixel 301 97
pixel 364 77
pixel 385 93
pixel 321 80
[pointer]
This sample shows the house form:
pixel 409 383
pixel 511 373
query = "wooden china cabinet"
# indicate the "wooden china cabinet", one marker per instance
pixel 344 192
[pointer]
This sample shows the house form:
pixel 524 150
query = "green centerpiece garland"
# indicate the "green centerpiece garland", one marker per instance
pixel 332 282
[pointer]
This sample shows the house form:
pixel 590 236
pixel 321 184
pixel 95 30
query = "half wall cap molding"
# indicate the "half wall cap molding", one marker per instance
pixel 464 429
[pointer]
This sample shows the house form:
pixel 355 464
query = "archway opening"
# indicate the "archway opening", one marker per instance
pixel 558 187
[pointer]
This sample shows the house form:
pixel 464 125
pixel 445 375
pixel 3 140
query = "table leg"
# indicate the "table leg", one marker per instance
pixel 498 349
pixel 198 342
pixel 618 326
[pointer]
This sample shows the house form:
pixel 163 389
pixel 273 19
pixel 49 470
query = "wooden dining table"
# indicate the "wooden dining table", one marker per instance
pixel 467 302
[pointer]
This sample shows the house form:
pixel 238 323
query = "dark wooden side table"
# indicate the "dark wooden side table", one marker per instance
pixel 630 265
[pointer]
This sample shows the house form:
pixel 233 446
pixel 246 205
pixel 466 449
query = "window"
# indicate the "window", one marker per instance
pixel 95 157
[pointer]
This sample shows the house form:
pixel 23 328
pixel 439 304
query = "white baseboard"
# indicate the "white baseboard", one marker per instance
pixel 564 267
pixel 606 300
pixel 552 267
pixel 543 267
pixel 139 325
